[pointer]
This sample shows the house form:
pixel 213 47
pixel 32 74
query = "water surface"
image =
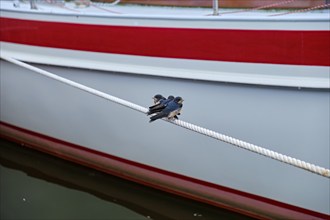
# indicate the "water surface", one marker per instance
pixel 35 186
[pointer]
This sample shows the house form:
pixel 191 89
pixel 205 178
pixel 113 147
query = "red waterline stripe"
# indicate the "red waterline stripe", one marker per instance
pixel 252 46
pixel 20 135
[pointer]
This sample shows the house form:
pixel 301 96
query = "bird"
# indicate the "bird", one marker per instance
pixel 157 98
pixel 160 106
pixel 170 111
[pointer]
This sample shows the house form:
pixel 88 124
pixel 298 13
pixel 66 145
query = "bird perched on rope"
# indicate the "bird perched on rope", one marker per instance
pixel 160 105
pixel 171 110
pixel 157 98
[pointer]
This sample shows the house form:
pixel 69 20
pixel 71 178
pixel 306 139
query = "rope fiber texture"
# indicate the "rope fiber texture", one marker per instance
pixel 233 141
pixel 327 5
pixel 260 7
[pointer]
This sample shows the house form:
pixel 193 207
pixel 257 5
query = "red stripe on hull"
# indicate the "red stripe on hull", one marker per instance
pixel 252 46
pixel 244 203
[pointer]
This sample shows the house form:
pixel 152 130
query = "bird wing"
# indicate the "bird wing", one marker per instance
pixel 158 116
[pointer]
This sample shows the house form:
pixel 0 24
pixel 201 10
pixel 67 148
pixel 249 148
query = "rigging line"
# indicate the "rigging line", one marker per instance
pixel 97 5
pixel 259 7
pixel 233 141
pixel 60 5
pixel 302 10
pixel 112 3
pixel 104 9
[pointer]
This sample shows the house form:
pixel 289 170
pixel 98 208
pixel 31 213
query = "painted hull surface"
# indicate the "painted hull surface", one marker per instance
pixel 248 48
pixel 268 100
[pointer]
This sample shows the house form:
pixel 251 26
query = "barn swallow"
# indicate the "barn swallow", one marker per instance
pixel 157 98
pixel 170 111
pixel 160 106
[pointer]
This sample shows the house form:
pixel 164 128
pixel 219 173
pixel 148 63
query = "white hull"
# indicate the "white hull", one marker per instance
pixel 282 107
pixel 291 121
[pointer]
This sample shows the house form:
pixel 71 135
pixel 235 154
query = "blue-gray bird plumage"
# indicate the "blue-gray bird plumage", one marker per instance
pixel 171 110
pixel 158 98
pixel 160 106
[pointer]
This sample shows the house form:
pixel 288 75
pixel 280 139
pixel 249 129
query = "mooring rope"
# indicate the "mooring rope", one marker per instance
pixel 327 5
pixel 112 3
pixel 260 7
pixel 103 9
pixel 233 141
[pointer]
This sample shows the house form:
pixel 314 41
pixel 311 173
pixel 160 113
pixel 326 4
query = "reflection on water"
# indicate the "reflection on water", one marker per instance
pixel 35 186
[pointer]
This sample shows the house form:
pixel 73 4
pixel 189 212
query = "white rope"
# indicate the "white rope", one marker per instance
pixel 77 85
pixel 251 147
pixel 116 2
pixel 254 148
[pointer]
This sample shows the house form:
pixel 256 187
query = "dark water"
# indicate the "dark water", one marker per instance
pixel 35 186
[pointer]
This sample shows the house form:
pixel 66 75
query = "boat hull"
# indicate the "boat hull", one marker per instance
pixel 56 118
pixel 226 3
pixel 290 52
pixel 261 83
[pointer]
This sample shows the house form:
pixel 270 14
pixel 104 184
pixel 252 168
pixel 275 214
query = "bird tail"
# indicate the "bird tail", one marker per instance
pixel 153 111
pixel 158 116
pixel 155 108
